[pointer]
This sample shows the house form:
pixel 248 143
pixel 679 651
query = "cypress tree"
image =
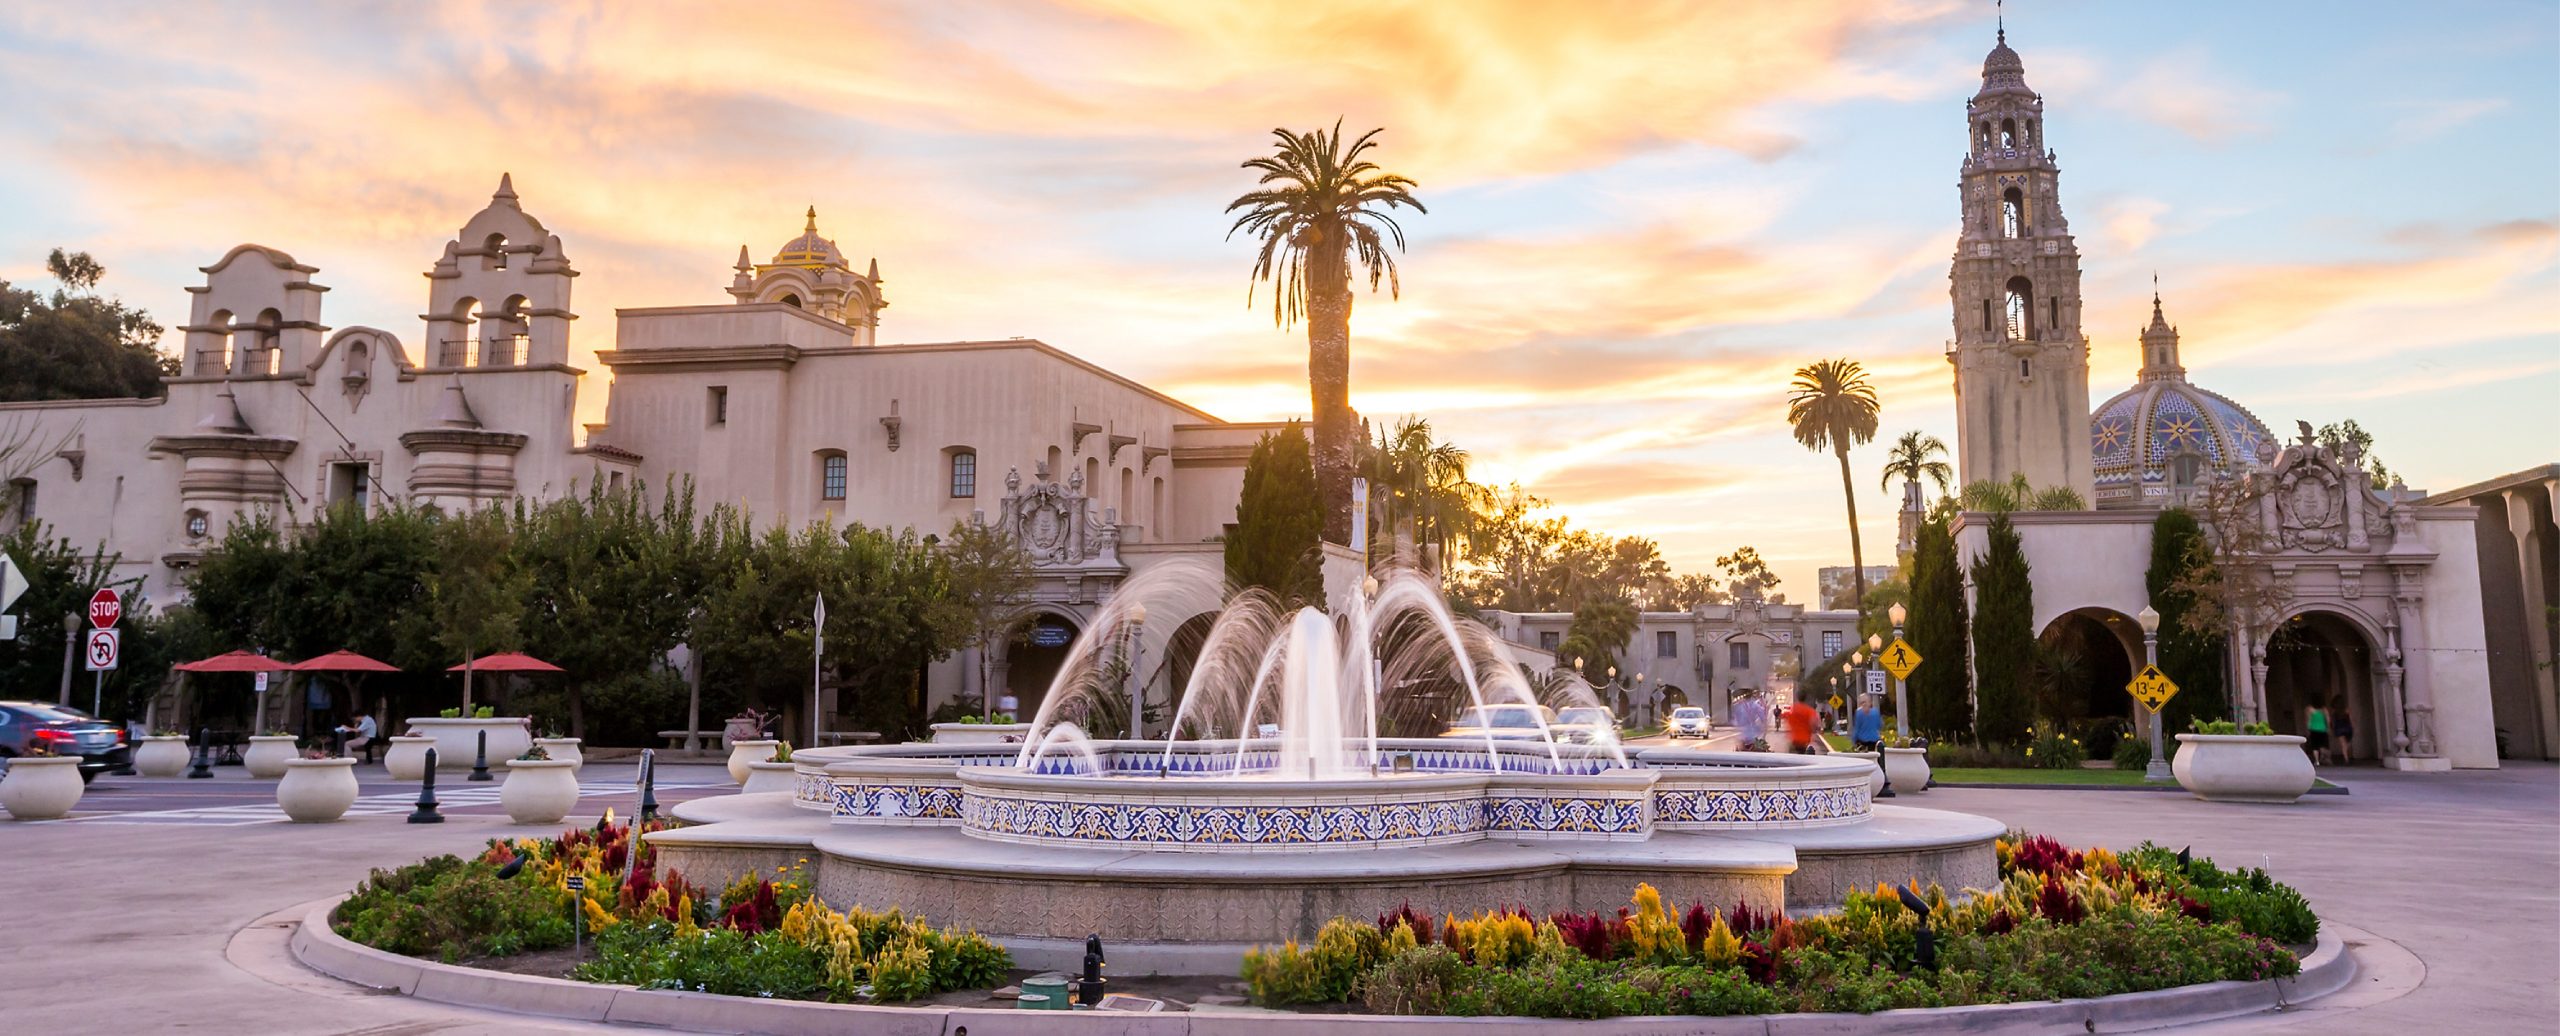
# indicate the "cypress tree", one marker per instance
pixel 1940 704
pixel 2194 661
pixel 1278 518
pixel 2004 638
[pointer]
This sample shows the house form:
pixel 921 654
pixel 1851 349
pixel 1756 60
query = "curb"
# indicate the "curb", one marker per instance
pixel 2335 789
pixel 2328 969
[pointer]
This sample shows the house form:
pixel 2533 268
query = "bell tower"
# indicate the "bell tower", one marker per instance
pixel 2021 363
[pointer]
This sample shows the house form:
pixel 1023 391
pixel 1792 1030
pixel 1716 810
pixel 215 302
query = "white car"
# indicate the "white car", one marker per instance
pixel 1584 725
pixel 1500 722
pixel 1689 721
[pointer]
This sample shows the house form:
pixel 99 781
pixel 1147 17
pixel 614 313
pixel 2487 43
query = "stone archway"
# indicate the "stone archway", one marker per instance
pixel 2323 657
pixel 1033 656
pixel 2105 649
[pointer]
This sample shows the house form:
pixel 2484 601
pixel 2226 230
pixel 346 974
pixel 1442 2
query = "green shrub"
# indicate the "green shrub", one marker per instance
pixel 2249 898
pixel 450 909
pixel 1414 981
pixel 1282 975
pixel 968 960
pixel 2055 750
pixel 716 960
pixel 902 971
pixel 1944 756
pixel 2133 754
pixel 1344 950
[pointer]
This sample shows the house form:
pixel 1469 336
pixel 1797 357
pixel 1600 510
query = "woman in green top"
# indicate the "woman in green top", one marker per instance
pixel 2318 741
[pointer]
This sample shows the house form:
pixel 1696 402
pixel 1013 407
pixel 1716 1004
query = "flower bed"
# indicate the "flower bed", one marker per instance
pixel 2062 924
pixel 764 937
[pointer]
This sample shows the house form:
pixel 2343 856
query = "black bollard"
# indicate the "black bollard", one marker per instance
pixel 648 785
pixel 426 812
pixel 1089 989
pixel 204 755
pixel 480 762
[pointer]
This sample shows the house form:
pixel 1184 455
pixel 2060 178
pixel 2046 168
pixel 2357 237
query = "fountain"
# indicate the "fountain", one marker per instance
pixel 1282 792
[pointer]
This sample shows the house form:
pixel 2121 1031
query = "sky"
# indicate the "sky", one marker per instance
pixel 1642 217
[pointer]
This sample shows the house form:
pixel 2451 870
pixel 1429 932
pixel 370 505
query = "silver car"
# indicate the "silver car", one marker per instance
pixel 1689 721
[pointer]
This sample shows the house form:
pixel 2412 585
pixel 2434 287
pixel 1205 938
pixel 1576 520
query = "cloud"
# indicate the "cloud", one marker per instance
pixel 2131 222
pixel 2424 120
pixel 2183 92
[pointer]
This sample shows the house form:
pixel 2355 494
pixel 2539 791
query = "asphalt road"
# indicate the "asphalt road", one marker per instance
pixel 231 797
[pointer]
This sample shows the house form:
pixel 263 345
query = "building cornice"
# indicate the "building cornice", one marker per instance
pixel 270 447
pixel 709 357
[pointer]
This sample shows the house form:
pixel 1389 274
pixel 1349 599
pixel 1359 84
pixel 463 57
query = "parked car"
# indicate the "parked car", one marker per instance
pixel 1585 725
pixel 1689 721
pixel 1500 722
pixel 62 730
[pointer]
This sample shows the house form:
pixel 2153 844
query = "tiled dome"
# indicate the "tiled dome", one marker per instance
pixel 809 249
pixel 2136 438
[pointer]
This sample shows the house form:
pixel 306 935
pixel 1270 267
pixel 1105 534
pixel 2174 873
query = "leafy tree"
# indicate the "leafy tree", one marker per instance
pixel 1599 631
pixel 1278 518
pixel 1419 485
pixel 476 591
pixel 602 570
pixel 1322 209
pixel 2192 658
pixel 990 595
pixel 2004 637
pixel 60 578
pixel 2352 442
pixel 1688 590
pixel 1941 706
pixel 1830 406
pixel 72 344
pixel 1745 566
pixel 883 591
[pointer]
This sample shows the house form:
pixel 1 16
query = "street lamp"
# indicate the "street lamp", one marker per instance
pixel 1137 687
pixel 1901 713
pixel 2149 617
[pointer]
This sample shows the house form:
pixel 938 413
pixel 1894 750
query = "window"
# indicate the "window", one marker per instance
pixel 21 500
pixel 1989 322
pixel 831 476
pixel 1737 655
pixel 1549 640
pixel 1831 643
pixel 964 474
pixel 2053 312
pixel 1666 644
pixel 2013 213
pixel 2022 310
pixel 348 481
pixel 2025 371
pixel 613 480
pixel 2008 134
pixel 719 404
pixel 790 300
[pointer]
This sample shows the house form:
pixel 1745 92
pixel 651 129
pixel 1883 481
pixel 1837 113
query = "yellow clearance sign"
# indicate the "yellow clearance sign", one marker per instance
pixel 1899 659
pixel 2152 688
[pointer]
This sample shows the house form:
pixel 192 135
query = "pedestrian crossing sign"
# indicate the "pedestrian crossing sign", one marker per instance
pixel 1899 659
pixel 2152 688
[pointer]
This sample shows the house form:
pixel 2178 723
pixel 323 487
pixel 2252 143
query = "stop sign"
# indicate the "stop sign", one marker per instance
pixel 105 608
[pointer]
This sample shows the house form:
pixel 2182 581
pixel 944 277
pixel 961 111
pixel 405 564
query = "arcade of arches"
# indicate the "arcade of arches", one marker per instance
pixel 2320 658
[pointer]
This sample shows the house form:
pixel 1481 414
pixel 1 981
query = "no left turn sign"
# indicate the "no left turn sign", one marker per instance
pixel 104 646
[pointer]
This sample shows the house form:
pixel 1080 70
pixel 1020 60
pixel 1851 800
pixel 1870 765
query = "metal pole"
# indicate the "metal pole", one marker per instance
pixel 2158 770
pixel 1901 705
pixel 98 693
pixel 1137 687
pixel 70 652
pixel 817 665
pixel 426 812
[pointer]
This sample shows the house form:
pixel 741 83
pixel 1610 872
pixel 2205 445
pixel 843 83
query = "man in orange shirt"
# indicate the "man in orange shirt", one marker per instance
pixel 1801 720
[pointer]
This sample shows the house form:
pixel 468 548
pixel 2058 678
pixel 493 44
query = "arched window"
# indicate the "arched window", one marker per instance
pixel 2025 370
pixel 2031 133
pixel 1128 495
pixel 790 300
pixel 1982 137
pixel 1155 499
pixel 831 475
pixel 508 332
pixel 2013 213
pixel 494 252
pixel 964 473
pixel 2022 310
pixel 214 360
pixel 2184 471
pixel 1051 469
pixel 2008 134
pixel 263 358
pixel 455 350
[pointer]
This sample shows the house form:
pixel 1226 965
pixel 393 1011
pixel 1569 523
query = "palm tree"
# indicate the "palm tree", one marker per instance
pixel 1321 210
pixel 1830 406
pixel 1914 457
pixel 2017 494
pixel 1413 478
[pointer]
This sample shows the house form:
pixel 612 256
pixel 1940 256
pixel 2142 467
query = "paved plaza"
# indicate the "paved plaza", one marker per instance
pixel 147 917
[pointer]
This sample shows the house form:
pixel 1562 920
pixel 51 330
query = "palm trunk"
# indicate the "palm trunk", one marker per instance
pixel 1329 390
pixel 1857 554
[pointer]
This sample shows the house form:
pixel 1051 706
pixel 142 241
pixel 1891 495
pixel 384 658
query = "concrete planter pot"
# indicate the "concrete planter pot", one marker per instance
pixel 743 754
pixel 1874 783
pixel 562 749
pixel 2242 767
pixel 406 759
pixel 268 753
pixel 539 791
pixel 770 776
pixel 1908 769
pixel 41 787
pixel 980 733
pixel 161 755
pixel 457 738
pixel 317 791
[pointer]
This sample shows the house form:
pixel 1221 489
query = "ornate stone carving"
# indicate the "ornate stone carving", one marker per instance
pixel 1054 524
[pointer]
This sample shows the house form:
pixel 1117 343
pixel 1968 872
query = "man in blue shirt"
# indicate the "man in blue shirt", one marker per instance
pixel 1866 731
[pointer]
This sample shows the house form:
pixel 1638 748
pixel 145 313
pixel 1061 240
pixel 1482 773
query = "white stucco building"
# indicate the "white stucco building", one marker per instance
pixel 780 399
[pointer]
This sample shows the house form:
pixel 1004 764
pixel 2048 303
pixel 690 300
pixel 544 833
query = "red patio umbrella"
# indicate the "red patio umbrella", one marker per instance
pixel 507 662
pixel 343 661
pixel 233 662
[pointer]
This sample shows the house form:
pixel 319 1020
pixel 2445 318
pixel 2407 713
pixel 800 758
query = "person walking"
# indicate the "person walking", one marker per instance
pixel 2316 726
pixel 1751 720
pixel 1866 730
pixel 2342 735
pixel 1801 728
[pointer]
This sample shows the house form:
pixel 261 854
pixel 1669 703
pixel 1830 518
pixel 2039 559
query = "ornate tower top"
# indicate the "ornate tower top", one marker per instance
pixel 812 273
pixel 2160 344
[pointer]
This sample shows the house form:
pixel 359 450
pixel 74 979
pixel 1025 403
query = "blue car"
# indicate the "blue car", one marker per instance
pixel 33 728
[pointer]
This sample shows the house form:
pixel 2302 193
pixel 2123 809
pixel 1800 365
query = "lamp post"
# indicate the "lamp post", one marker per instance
pixel 2149 617
pixel 1901 713
pixel 1137 687
pixel 1875 657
